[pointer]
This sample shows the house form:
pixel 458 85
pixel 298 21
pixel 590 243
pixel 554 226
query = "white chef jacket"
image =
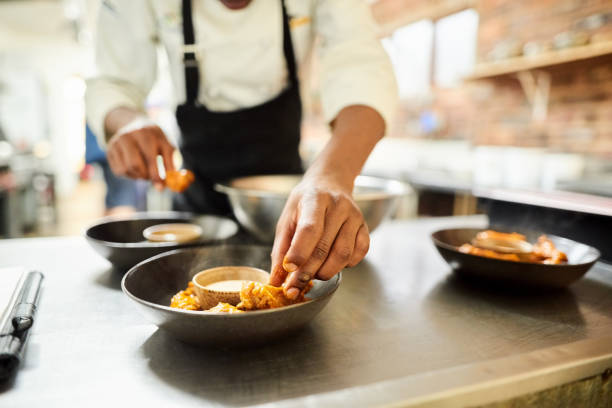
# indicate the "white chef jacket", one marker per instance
pixel 240 54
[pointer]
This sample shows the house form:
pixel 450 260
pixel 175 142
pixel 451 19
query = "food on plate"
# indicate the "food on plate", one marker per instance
pixel 253 296
pixel 223 307
pixel 514 247
pixel 500 236
pixel 186 299
pixel 545 249
pixel 257 296
pixel 179 180
pixel 488 253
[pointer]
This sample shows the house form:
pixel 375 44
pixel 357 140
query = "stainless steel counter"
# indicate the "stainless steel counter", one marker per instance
pixel 400 330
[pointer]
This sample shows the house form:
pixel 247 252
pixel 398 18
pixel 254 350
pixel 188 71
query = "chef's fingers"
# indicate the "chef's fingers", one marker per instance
pixel 282 240
pixel 335 217
pixel 362 245
pixel 135 160
pixel 342 251
pixel 165 149
pixel 149 149
pixel 120 168
pixel 111 157
pixel 311 211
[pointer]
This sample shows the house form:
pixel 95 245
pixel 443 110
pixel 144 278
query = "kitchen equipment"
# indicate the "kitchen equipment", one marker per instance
pixel 16 322
pixel 581 259
pixel 258 201
pixel 209 297
pixel 121 241
pixel 152 283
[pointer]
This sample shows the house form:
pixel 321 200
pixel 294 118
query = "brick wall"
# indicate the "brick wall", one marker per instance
pixel 496 111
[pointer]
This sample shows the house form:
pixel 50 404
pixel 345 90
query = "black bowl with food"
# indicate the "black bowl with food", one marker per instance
pixel 451 244
pixel 152 284
pixel 120 239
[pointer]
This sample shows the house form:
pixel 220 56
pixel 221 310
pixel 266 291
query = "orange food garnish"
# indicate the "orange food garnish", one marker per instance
pixel 224 308
pixel 470 249
pixel 257 296
pixel 186 299
pixel 544 251
pixel 500 236
pixel 253 296
pixel 179 180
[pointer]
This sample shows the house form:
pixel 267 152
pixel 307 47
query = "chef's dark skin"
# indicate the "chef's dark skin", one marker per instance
pixel 321 229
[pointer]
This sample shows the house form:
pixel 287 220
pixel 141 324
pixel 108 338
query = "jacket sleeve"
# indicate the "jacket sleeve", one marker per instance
pixel 355 69
pixel 126 60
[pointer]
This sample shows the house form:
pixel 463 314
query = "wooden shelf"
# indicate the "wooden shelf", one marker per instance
pixel 433 10
pixel 518 64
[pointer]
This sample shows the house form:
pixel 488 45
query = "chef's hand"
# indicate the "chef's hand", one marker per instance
pixel 134 153
pixel 320 231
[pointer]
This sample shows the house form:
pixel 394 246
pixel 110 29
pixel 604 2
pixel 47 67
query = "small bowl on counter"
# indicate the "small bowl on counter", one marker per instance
pixel 122 242
pixel 178 232
pixel 257 201
pixel 223 283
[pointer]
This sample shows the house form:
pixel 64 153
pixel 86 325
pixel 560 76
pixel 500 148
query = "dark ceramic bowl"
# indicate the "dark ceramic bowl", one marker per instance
pixel 581 258
pixel 152 283
pixel 120 240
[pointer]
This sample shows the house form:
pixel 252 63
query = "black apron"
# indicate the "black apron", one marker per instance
pixel 219 146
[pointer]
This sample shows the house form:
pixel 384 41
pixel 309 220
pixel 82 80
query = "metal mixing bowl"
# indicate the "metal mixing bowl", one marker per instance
pixel 258 201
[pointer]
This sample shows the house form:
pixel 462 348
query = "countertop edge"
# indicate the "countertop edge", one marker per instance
pixel 479 383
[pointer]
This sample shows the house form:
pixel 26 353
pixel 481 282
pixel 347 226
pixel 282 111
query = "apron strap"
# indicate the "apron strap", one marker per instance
pixel 288 48
pixel 192 74
pixel 190 60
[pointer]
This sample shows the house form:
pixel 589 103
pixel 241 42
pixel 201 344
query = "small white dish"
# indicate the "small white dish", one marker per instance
pixel 175 232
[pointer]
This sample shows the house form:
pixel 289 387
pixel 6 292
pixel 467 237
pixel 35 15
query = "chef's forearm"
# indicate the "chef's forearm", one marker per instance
pixel 356 130
pixel 118 118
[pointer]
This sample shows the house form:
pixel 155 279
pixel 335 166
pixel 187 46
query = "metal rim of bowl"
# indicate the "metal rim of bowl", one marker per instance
pixel 143 215
pixel 206 313
pixel 396 188
pixel 437 242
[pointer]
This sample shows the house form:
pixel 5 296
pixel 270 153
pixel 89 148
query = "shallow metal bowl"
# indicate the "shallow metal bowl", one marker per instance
pixel 120 239
pixel 258 201
pixel 152 283
pixel 581 258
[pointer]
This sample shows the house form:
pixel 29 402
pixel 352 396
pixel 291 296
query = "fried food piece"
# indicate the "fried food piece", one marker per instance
pixel 253 296
pixel 499 236
pixel 546 250
pixel 224 308
pixel 179 180
pixel 470 249
pixel 186 299
pixel 257 296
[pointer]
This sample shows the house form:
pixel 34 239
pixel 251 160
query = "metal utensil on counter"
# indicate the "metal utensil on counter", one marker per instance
pixel 17 320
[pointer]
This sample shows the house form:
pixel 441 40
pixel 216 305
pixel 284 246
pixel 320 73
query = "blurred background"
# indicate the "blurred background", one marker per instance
pixel 495 94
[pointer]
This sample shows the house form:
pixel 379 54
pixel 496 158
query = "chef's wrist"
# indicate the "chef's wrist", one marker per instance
pixel 329 175
pixel 124 120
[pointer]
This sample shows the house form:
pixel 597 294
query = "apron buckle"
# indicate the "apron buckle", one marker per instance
pixel 191 53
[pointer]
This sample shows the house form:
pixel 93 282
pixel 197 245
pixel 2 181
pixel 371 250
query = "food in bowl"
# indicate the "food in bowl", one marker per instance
pixel 179 180
pixel 253 296
pixel 514 247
